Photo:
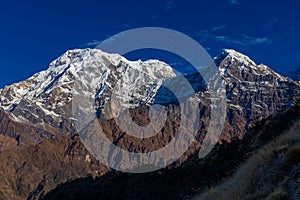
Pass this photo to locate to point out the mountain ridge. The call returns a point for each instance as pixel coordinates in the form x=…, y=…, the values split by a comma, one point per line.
x=37, y=113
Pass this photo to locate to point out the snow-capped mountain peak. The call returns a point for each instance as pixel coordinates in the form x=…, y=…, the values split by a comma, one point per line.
x=50, y=91
x=237, y=55
x=244, y=65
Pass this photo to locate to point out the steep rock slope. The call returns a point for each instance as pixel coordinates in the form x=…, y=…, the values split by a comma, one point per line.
x=253, y=91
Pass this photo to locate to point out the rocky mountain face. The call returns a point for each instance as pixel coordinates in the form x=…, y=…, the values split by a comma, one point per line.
x=39, y=145
x=253, y=91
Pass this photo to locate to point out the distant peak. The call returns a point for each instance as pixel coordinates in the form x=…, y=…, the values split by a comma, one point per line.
x=241, y=62
x=233, y=55
x=229, y=51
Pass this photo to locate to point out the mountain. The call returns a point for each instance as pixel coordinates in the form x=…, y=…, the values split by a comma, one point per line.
x=43, y=100
x=253, y=91
x=40, y=147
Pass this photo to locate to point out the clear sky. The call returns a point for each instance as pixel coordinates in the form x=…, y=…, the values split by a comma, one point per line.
x=33, y=33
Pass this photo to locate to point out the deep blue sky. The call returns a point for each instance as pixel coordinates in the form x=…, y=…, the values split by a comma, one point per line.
x=33, y=33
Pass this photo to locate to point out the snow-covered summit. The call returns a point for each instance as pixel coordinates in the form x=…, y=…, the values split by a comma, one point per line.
x=50, y=91
x=237, y=55
x=151, y=67
x=244, y=65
